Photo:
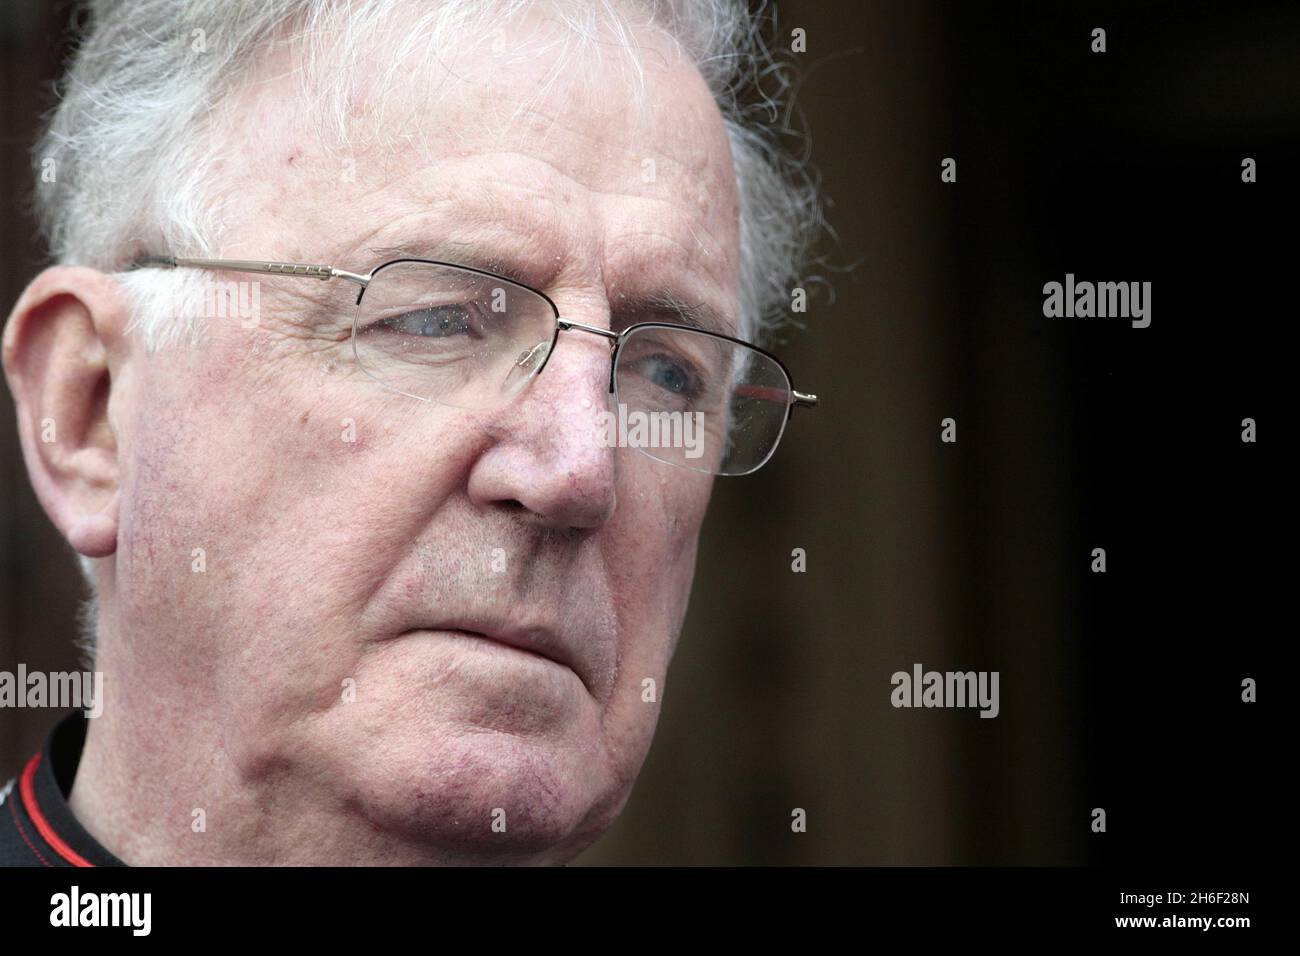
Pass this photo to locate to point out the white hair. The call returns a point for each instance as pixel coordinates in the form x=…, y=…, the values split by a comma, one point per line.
x=135, y=172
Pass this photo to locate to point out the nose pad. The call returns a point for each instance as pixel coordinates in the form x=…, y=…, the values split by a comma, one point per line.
x=525, y=367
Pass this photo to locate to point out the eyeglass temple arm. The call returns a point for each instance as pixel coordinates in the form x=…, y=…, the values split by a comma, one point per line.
x=770, y=394
x=296, y=269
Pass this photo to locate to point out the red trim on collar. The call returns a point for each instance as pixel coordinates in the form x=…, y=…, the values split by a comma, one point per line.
x=42, y=825
x=22, y=832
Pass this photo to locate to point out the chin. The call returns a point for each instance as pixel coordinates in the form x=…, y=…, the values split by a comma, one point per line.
x=489, y=794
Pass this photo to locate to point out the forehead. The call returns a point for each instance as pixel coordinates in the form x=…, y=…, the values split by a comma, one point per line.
x=578, y=168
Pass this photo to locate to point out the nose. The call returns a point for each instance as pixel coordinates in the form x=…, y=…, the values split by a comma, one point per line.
x=547, y=460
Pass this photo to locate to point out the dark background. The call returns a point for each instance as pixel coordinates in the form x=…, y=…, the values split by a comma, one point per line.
x=1118, y=690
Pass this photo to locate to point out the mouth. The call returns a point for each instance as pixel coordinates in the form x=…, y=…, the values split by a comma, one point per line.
x=536, y=641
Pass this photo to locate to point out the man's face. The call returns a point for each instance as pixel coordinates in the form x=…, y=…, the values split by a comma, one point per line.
x=353, y=537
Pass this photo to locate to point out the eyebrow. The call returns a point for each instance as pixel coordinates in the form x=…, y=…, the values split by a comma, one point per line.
x=669, y=308
x=662, y=306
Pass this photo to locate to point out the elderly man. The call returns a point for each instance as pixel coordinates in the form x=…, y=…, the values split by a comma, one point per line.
x=320, y=390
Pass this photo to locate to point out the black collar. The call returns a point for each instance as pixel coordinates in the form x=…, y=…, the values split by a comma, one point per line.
x=37, y=827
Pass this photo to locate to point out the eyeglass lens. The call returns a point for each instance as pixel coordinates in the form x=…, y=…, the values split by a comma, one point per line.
x=470, y=340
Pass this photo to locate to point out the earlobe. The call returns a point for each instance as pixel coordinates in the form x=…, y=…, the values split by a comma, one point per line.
x=95, y=535
x=63, y=358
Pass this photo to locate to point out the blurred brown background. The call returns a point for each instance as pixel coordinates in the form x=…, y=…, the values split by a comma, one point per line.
x=966, y=556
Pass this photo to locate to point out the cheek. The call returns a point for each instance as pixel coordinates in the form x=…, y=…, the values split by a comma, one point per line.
x=662, y=509
x=652, y=563
x=650, y=553
x=277, y=499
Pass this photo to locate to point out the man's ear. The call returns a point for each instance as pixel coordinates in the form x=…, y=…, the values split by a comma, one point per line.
x=64, y=352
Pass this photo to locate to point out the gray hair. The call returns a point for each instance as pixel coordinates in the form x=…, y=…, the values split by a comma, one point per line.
x=134, y=170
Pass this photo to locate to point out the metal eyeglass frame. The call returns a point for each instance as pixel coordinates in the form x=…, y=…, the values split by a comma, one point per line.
x=616, y=339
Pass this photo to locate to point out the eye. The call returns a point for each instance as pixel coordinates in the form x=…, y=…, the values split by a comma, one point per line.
x=671, y=374
x=436, y=322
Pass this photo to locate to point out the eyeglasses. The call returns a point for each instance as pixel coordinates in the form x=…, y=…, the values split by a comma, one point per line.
x=466, y=338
